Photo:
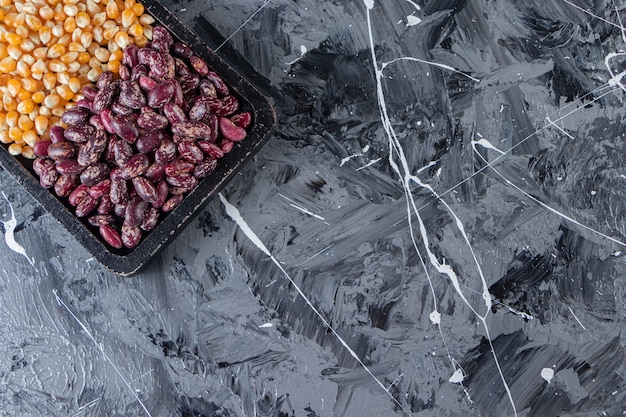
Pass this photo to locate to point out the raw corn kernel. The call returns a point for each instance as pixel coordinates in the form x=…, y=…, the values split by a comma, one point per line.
x=50, y=49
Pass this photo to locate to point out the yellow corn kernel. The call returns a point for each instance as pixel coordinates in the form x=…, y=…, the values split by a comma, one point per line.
x=113, y=66
x=58, y=111
x=3, y=51
x=63, y=78
x=33, y=22
x=135, y=30
x=40, y=53
x=22, y=32
x=73, y=67
x=27, y=45
x=69, y=25
x=98, y=34
x=22, y=69
x=11, y=118
x=110, y=32
x=140, y=41
x=70, y=10
x=27, y=59
x=29, y=84
x=15, y=133
x=57, y=30
x=25, y=106
x=27, y=152
x=52, y=100
x=39, y=67
x=23, y=95
x=69, y=57
x=14, y=87
x=38, y=97
x=93, y=74
x=3, y=121
x=112, y=46
x=65, y=92
x=116, y=55
x=112, y=10
x=128, y=4
x=7, y=65
x=75, y=47
x=14, y=148
x=41, y=124
x=46, y=12
x=128, y=17
x=25, y=123
x=57, y=66
x=83, y=57
x=29, y=8
x=65, y=39
x=9, y=103
x=101, y=54
x=147, y=32
x=86, y=39
x=4, y=136
x=49, y=80
x=99, y=19
x=13, y=38
x=56, y=51
x=45, y=111
x=138, y=9
x=4, y=79
x=92, y=7
x=76, y=35
x=122, y=39
x=82, y=20
x=59, y=14
x=95, y=62
x=146, y=19
x=2, y=14
x=14, y=51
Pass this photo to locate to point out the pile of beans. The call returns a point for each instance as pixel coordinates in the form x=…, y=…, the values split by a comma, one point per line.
x=137, y=144
x=49, y=50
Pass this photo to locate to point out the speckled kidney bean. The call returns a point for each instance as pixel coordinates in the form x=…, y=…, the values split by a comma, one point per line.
x=85, y=104
x=105, y=118
x=125, y=127
x=229, y=106
x=131, y=235
x=96, y=121
x=227, y=146
x=149, y=141
x=135, y=166
x=172, y=202
x=93, y=174
x=86, y=206
x=41, y=147
x=145, y=189
x=178, y=166
x=106, y=78
x=151, y=219
x=210, y=148
x=77, y=115
x=166, y=152
x=199, y=65
x=69, y=167
x=174, y=113
x=91, y=151
x=78, y=194
x=120, y=210
x=163, y=191
x=187, y=181
x=243, y=119
x=57, y=134
x=181, y=50
x=132, y=97
x=101, y=188
x=120, y=109
x=65, y=184
x=191, y=128
x=207, y=88
x=204, y=168
x=190, y=152
x=200, y=109
x=121, y=151
x=104, y=97
x=129, y=56
x=150, y=120
x=79, y=133
x=137, y=71
x=62, y=150
x=124, y=72
x=135, y=211
x=155, y=172
x=89, y=92
x=218, y=82
x=160, y=94
x=106, y=205
x=111, y=236
x=48, y=176
x=119, y=191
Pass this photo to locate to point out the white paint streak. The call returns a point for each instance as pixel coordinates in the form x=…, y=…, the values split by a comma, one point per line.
x=303, y=51
x=9, y=234
x=302, y=209
x=368, y=164
x=234, y=214
x=576, y=318
x=101, y=348
x=412, y=20
x=457, y=377
x=559, y=128
x=486, y=144
x=266, y=325
x=243, y=24
x=349, y=157
x=436, y=64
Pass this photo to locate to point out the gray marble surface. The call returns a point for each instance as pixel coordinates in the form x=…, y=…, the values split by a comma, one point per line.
x=435, y=228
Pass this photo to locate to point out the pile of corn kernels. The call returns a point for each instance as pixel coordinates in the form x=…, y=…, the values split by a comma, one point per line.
x=49, y=50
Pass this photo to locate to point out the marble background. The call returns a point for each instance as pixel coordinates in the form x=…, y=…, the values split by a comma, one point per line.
x=436, y=228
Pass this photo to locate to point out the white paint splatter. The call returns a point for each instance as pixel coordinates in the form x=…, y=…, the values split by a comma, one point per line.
x=303, y=51
x=266, y=325
x=457, y=377
x=234, y=214
x=9, y=234
x=547, y=374
x=412, y=20
x=435, y=317
x=302, y=209
x=369, y=4
x=486, y=144
x=370, y=163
